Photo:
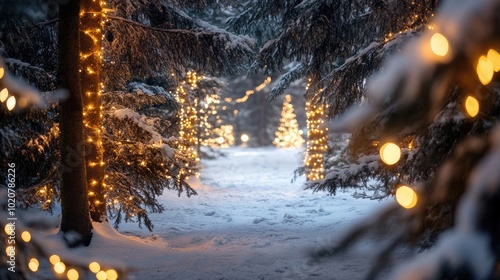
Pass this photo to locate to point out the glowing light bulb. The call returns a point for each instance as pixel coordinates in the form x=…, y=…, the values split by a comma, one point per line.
x=244, y=138
x=439, y=44
x=406, y=197
x=471, y=106
x=101, y=275
x=59, y=267
x=54, y=259
x=4, y=93
x=390, y=153
x=94, y=267
x=2, y=72
x=72, y=274
x=26, y=236
x=9, y=228
x=8, y=249
x=494, y=56
x=11, y=103
x=485, y=70
x=111, y=274
x=33, y=264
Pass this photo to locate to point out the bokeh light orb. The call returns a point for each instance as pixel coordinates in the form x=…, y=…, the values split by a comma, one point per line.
x=439, y=44
x=390, y=153
x=406, y=197
x=471, y=106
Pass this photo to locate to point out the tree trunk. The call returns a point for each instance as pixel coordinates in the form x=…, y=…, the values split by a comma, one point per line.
x=74, y=196
x=91, y=60
x=264, y=106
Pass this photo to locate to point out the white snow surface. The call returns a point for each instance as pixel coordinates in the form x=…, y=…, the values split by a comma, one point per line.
x=248, y=221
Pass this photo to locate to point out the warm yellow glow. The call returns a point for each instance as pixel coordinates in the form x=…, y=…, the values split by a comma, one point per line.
x=54, y=259
x=471, y=106
x=101, y=275
x=94, y=267
x=188, y=123
x=244, y=138
x=494, y=56
x=11, y=103
x=439, y=44
x=485, y=70
x=390, y=153
x=72, y=274
x=33, y=264
x=317, y=135
x=26, y=236
x=111, y=274
x=220, y=140
x=4, y=93
x=8, y=228
x=406, y=197
x=2, y=72
x=59, y=267
x=287, y=135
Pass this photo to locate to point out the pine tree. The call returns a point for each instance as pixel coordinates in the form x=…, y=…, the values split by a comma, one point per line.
x=137, y=136
x=437, y=103
x=287, y=135
x=214, y=131
x=153, y=165
x=416, y=103
x=252, y=114
x=74, y=195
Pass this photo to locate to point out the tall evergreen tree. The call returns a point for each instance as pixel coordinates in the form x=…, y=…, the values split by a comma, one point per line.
x=152, y=115
x=439, y=103
x=74, y=195
x=418, y=102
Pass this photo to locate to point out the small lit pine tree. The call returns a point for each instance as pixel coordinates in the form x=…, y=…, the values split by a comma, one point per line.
x=212, y=131
x=316, y=141
x=287, y=135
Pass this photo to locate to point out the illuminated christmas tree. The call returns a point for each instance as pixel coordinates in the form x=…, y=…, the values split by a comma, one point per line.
x=213, y=133
x=287, y=135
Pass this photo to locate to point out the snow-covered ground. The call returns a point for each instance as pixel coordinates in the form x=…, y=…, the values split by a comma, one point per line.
x=248, y=221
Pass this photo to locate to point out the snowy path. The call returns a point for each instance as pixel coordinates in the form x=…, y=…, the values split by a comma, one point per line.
x=248, y=221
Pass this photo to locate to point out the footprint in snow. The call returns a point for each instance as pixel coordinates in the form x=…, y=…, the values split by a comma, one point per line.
x=211, y=213
x=258, y=220
x=289, y=218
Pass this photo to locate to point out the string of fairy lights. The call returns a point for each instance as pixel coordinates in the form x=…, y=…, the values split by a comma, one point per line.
x=91, y=61
x=188, y=117
x=58, y=266
x=92, y=20
x=218, y=135
x=317, y=135
x=214, y=135
x=486, y=66
x=5, y=97
x=248, y=93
